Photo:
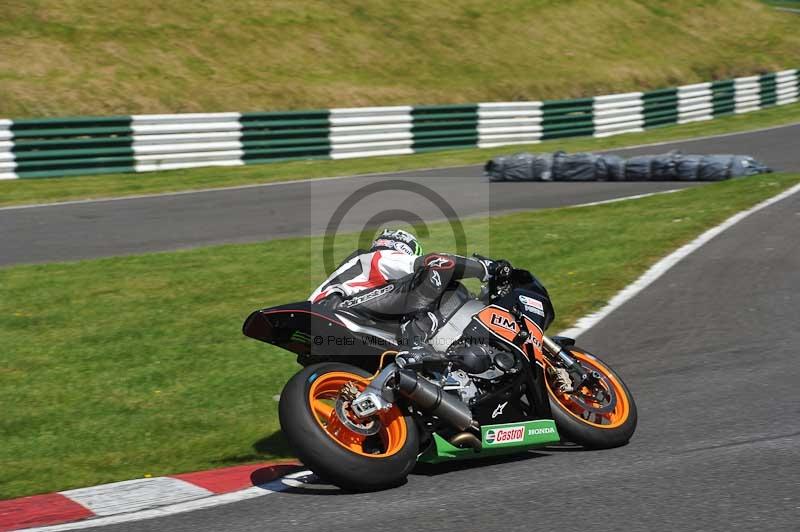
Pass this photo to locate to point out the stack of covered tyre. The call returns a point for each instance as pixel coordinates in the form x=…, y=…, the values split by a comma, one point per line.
x=672, y=166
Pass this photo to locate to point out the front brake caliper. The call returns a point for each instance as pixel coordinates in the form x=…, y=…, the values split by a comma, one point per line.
x=562, y=379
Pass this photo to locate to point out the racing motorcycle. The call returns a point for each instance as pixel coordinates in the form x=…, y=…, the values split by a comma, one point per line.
x=359, y=420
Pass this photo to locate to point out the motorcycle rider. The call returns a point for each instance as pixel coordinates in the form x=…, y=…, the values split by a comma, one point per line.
x=395, y=281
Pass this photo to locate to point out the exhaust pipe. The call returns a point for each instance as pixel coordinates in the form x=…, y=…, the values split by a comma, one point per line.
x=432, y=399
x=466, y=439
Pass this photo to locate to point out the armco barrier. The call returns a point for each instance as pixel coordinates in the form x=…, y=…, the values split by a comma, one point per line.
x=143, y=143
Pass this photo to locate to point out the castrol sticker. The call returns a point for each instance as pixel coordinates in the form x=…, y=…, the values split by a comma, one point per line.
x=520, y=434
x=505, y=435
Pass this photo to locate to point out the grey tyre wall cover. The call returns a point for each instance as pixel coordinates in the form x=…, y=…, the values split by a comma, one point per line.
x=672, y=166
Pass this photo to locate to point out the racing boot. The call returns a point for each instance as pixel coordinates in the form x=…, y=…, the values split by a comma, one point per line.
x=418, y=356
x=415, y=333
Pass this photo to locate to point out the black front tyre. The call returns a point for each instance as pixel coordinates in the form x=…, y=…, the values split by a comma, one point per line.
x=335, y=450
x=600, y=416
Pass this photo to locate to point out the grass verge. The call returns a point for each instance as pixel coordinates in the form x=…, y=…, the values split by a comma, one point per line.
x=73, y=188
x=121, y=367
x=792, y=4
x=76, y=57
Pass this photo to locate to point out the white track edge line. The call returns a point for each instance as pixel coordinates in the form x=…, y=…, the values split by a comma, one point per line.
x=506, y=212
x=624, y=198
x=373, y=174
x=694, y=139
x=665, y=264
x=171, y=509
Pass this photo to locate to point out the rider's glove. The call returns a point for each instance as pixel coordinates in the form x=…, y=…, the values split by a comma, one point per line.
x=500, y=270
x=495, y=269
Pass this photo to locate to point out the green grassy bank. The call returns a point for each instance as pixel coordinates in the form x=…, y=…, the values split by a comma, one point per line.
x=79, y=57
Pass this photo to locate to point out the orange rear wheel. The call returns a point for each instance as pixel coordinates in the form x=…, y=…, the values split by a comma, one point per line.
x=355, y=454
x=379, y=437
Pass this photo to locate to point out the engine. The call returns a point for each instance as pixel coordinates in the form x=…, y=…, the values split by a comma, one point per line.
x=478, y=369
x=460, y=382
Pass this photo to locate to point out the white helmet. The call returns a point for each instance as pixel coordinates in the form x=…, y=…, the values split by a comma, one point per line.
x=398, y=240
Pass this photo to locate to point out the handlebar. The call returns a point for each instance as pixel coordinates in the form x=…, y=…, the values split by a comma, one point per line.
x=499, y=279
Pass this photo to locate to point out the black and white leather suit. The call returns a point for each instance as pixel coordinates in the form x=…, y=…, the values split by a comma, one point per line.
x=391, y=285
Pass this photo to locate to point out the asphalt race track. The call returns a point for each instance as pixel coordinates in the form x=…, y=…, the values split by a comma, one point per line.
x=710, y=353
x=176, y=221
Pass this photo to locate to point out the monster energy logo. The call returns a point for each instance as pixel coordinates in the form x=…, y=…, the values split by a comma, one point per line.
x=301, y=337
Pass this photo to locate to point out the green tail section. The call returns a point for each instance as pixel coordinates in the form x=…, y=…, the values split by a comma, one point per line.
x=496, y=439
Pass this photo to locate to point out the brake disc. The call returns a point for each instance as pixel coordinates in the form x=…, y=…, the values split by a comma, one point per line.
x=368, y=428
x=606, y=398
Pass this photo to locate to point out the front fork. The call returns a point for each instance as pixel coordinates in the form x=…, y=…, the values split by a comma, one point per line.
x=579, y=374
x=556, y=351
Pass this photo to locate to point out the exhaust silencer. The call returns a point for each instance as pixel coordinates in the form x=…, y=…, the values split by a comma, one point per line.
x=432, y=399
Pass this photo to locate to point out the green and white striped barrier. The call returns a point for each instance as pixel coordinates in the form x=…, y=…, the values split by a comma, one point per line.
x=144, y=143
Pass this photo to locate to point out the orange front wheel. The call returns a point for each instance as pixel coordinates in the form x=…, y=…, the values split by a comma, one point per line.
x=353, y=453
x=599, y=413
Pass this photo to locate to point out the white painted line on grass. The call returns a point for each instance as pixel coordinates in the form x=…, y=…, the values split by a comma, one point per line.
x=662, y=266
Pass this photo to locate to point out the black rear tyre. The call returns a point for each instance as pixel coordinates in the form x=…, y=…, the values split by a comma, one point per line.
x=381, y=461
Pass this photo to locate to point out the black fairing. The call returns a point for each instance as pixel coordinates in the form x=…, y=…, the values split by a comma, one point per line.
x=527, y=285
x=512, y=299
x=315, y=334
x=504, y=404
x=296, y=326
